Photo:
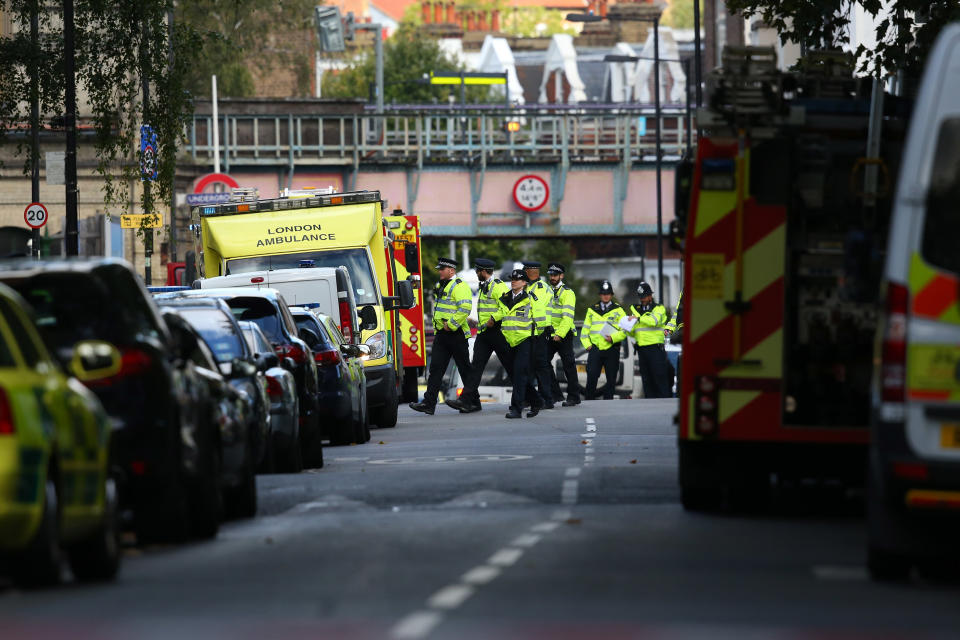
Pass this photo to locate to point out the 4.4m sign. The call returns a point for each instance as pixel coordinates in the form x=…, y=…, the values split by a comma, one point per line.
x=531, y=193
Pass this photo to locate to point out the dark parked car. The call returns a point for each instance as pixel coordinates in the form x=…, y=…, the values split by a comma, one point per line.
x=268, y=309
x=343, y=384
x=284, y=407
x=236, y=406
x=151, y=399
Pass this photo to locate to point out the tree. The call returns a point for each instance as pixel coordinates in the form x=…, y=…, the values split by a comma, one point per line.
x=408, y=58
x=679, y=14
x=246, y=35
x=903, y=40
x=535, y=22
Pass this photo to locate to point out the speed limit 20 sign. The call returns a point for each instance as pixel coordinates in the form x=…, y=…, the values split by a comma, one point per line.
x=35, y=215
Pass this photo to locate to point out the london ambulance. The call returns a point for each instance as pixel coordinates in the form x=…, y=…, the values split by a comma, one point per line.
x=251, y=234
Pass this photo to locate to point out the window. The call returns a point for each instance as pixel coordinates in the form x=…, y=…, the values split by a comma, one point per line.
x=357, y=262
x=261, y=312
x=309, y=322
x=941, y=227
x=217, y=331
x=6, y=358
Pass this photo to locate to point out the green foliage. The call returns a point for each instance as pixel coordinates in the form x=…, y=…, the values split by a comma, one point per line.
x=534, y=22
x=903, y=44
x=407, y=57
x=679, y=14
x=243, y=34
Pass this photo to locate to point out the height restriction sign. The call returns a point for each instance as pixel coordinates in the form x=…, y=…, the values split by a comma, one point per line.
x=531, y=193
x=35, y=215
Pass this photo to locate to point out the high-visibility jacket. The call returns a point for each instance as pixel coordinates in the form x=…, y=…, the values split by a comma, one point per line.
x=490, y=292
x=560, y=307
x=650, y=325
x=453, y=303
x=515, y=316
x=676, y=322
x=540, y=294
x=592, y=332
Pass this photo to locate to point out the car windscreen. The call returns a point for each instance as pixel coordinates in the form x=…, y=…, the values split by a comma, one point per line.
x=217, y=331
x=255, y=339
x=356, y=261
x=309, y=322
x=262, y=313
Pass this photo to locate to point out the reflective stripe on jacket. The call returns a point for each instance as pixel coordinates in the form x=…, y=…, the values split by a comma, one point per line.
x=592, y=332
x=540, y=294
x=515, y=316
x=650, y=325
x=453, y=304
x=560, y=308
x=489, y=298
x=675, y=320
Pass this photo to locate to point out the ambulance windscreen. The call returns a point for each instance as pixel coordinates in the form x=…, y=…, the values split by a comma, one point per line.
x=356, y=261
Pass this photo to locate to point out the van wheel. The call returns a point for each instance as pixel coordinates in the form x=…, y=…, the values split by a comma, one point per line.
x=888, y=567
x=410, y=392
x=386, y=416
x=42, y=563
x=98, y=557
x=700, y=498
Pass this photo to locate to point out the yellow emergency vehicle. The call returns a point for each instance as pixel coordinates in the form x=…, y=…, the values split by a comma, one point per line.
x=322, y=230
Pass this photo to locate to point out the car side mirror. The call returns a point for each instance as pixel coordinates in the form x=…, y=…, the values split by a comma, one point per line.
x=288, y=364
x=368, y=318
x=268, y=360
x=241, y=368
x=349, y=350
x=94, y=360
x=363, y=349
x=309, y=336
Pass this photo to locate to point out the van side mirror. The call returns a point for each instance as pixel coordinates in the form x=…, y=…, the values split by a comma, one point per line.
x=368, y=318
x=405, y=292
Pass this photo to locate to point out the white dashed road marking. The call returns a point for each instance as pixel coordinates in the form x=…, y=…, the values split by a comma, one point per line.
x=545, y=527
x=573, y=472
x=416, y=625
x=506, y=557
x=481, y=575
x=450, y=597
x=526, y=540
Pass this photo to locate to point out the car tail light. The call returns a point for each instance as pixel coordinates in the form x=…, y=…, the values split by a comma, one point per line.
x=707, y=401
x=293, y=351
x=346, y=321
x=133, y=362
x=6, y=415
x=894, y=350
x=326, y=358
x=139, y=467
x=911, y=470
x=274, y=388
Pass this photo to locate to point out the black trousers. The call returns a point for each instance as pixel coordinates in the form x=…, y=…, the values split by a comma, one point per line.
x=565, y=349
x=487, y=342
x=609, y=360
x=652, y=362
x=541, y=367
x=446, y=345
x=522, y=357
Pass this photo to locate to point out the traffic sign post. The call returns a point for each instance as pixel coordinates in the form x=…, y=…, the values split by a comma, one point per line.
x=35, y=215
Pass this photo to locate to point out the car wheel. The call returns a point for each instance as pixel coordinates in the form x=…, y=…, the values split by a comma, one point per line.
x=98, y=558
x=888, y=567
x=167, y=520
x=241, y=501
x=206, y=502
x=292, y=460
x=313, y=453
x=269, y=462
x=41, y=564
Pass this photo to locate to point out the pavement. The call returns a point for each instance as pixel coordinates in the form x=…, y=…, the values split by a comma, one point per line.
x=567, y=525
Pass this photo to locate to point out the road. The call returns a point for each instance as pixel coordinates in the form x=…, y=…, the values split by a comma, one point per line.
x=563, y=526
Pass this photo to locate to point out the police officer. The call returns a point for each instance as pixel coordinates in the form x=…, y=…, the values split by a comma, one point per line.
x=539, y=295
x=453, y=301
x=560, y=307
x=601, y=336
x=489, y=339
x=648, y=333
x=515, y=313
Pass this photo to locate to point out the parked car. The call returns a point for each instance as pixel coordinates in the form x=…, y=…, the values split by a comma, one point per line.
x=343, y=384
x=54, y=439
x=228, y=406
x=268, y=309
x=284, y=406
x=147, y=398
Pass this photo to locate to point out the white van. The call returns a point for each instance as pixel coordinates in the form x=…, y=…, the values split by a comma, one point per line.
x=913, y=491
x=326, y=289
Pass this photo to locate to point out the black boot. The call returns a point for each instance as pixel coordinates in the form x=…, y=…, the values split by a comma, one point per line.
x=454, y=403
x=423, y=407
x=533, y=411
x=513, y=414
x=471, y=408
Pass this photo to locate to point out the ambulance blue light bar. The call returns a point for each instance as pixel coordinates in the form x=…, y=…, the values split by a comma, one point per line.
x=284, y=204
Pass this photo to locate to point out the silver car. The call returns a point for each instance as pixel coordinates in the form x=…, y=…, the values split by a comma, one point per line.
x=284, y=406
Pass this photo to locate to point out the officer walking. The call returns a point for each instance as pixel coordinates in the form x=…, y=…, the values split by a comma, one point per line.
x=648, y=333
x=515, y=313
x=453, y=301
x=489, y=338
x=539, y=295
x=560, y=308
x=600, y=336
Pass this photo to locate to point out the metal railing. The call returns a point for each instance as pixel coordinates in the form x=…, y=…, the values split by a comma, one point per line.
x=436, y=135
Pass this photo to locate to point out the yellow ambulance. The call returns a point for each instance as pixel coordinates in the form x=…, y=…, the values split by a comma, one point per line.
x=308, y=228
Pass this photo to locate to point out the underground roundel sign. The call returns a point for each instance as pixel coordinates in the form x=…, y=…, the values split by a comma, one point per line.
x=531, y=193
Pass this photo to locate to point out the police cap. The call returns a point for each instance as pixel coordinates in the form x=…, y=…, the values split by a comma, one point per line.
x=483, y=263
x=644, y=290
x=606, y=287
x=556, y=267
x=446, y=262
x=531, y=264
x=518, y=274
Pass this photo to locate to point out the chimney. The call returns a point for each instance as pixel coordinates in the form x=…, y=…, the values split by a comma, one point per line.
x=495, y=21
x=603, y=8
x=451, y=13
x=471, y=21
x=425, y=11
x=438, y=12
x=482, y=20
